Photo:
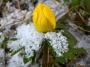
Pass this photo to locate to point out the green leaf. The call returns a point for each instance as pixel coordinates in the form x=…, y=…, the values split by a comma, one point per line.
x=81, y=52
x=13, y=39
x=26, y=59
x=87, y=5
x=14, y=52
x=60, y=60
x=4, y=43
x=34, y=58
x=72, y=54
x=75, y=3
x=71, y=39
x=86, y=27
x=5, y=1
x=59, y=25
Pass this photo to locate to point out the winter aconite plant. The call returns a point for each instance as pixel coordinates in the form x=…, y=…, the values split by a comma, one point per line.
x=31, y=36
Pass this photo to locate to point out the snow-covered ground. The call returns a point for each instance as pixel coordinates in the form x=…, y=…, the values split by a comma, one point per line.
x=27, y=36
x=83, y=41
x=30, y=39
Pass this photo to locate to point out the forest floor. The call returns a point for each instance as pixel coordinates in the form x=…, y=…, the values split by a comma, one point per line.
x=82, y=41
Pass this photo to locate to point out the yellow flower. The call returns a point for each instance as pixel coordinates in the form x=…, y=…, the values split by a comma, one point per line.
x=43, y=18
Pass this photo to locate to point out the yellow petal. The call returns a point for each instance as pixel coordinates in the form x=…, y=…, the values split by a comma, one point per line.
x=44, y=18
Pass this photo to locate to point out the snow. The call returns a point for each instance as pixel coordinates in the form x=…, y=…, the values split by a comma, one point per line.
x=2, y=53
x=59, y=8
x=10, y=6
x=16, y=61
x=14, y=17
x=58, y=42
x=1, y=37
x=28, y=37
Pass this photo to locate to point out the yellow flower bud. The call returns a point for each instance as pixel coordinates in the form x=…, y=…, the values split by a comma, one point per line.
x=44, y=18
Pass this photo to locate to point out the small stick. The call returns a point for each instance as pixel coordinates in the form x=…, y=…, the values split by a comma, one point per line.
x=80, y=16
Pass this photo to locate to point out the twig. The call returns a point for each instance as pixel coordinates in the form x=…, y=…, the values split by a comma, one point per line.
x=80, y=16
